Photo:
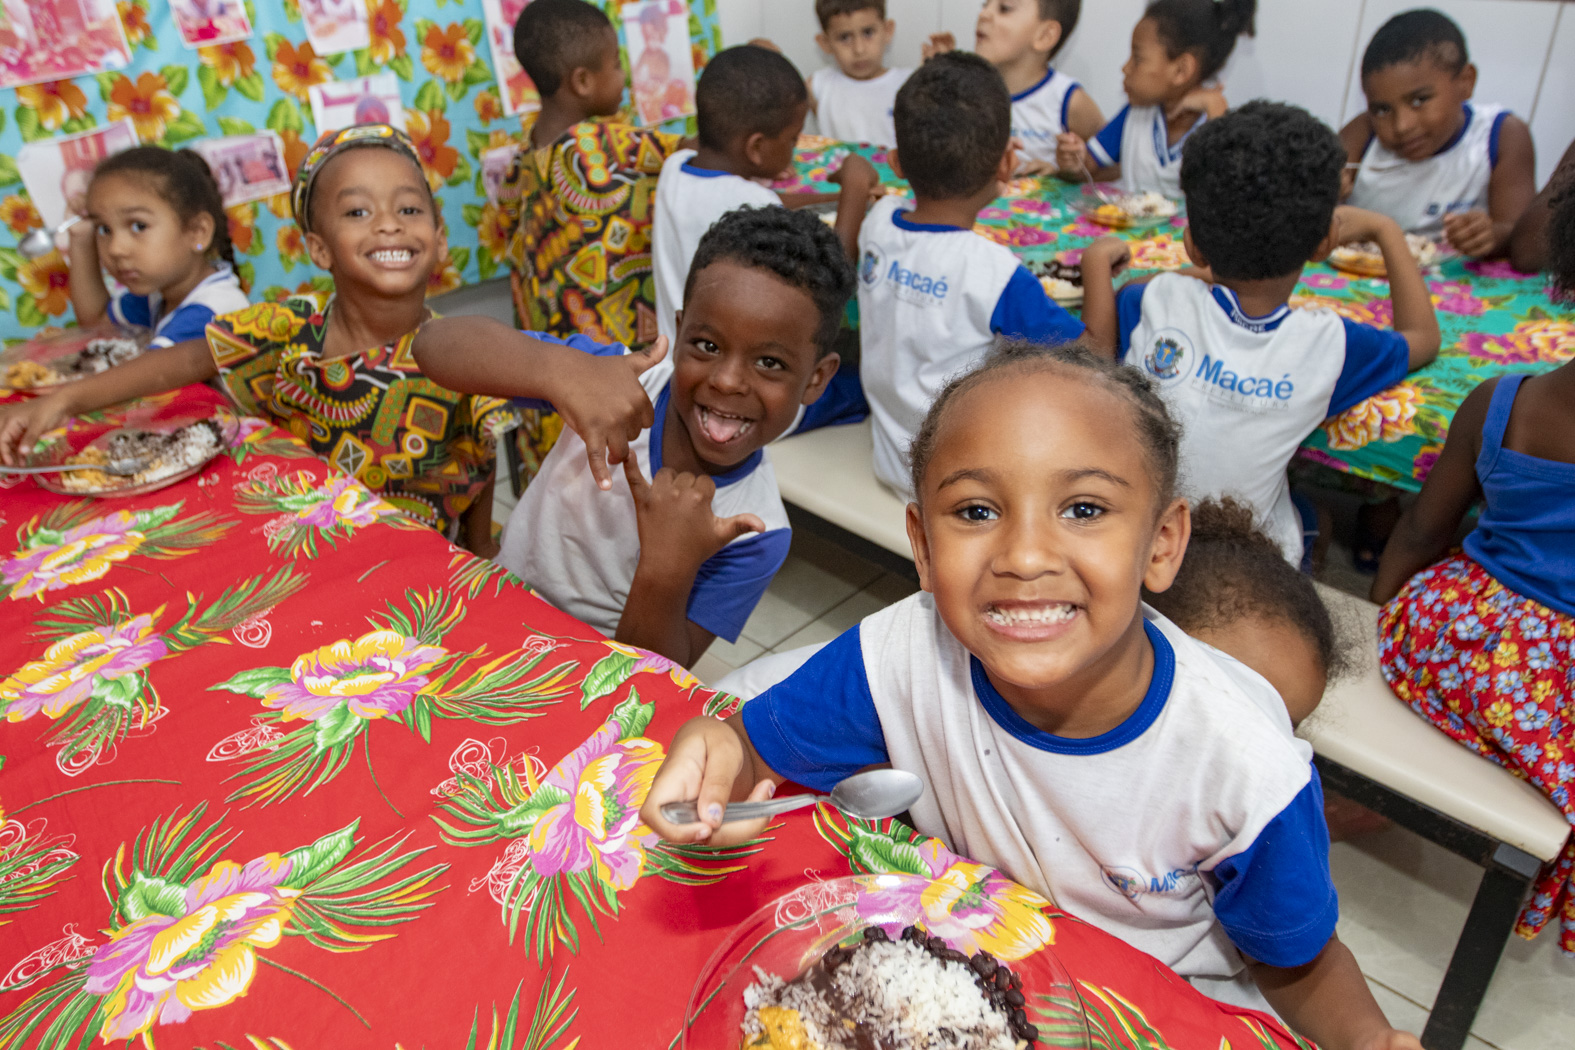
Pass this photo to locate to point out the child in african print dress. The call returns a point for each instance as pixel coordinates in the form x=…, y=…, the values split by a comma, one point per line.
x=338, y=374
x=1481, y=642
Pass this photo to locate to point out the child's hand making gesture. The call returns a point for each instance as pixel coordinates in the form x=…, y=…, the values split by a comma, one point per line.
x=1472, y=233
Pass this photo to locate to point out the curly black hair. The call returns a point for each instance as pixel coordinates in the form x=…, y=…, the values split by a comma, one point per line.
x=1233, y=571
x=1206, y=28
x=744, y=90
x=954, y=119
x=1561, y=244
x=826, y=10
x=553, y=38
x=794, y=245
x=1161, y=434
x=1412, y=36
x=1261, y=184
x=183, y=180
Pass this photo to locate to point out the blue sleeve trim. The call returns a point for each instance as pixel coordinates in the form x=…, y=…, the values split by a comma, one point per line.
x=729, y=585
x=1106, y=146
x=1066, y=103
x=1129, y=311
x=188, y=322
x=1024, y=311
x=1498, y=124
x=579, y=342
x=1375, y=360
x=1276, y=899
x=820, y=725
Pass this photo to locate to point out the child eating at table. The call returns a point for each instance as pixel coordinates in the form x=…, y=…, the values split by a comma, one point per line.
x=852, y=99
x=1423, y=153
x=337, y=374
x=750, y=106
x=1065, y=734
x=1477, y=639
x=933, y=295
x=679, y=549
x=1021, y=38
x=1177, y=48
x=1248, y=377
x=154, y=219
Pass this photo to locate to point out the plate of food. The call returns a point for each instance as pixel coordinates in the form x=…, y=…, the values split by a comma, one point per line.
x=842, y=965
x=1364, y=259
x=68, y=356
x=147, y=455
x=1122, y=211
x=1062, y=281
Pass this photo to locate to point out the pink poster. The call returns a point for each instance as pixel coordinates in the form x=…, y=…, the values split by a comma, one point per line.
x=59, y=39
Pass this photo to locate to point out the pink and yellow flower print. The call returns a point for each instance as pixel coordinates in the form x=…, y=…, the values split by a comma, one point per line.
x=375, y=676
x=51, y=562
x=159, y=969
x=1382, y=417
x=1539, y=340
x=341, y=501
x=105, y=661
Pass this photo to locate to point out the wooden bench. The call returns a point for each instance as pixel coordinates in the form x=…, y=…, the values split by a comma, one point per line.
x=1367, y=744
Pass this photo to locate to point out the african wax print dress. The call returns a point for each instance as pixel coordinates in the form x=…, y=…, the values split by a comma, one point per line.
x=426, y=450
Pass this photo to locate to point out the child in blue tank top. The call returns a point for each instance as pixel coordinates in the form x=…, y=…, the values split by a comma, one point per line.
x=1479, y=640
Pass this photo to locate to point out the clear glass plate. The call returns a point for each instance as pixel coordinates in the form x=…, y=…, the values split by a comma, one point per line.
x=99, y=437
x=42, y=363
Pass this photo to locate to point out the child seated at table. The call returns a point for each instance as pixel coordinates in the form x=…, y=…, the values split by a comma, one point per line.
x=1478, y=639
x=852, y=99
x=1065, y=734
x=338, y=374
x=154, y=220
x=933, y=295
x=1021, y=38
x=679, y=549
x=1178, y=46
x=750, y=105
x=1248, y=377
x=1423, y=153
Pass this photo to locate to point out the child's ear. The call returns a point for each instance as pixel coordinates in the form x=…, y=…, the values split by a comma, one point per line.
x=1171, y=534
x=896, y=165
x=203, y=231
x=1008, y=166
x=1185, y=71
x=755, y=148
x=820, y=378
x=317, y=248
x=921, y=546
x=580, y=81
x=823, y=42
x=1330, y=242
x=1047, y=36
x=1467, y=79
x=1194, y=253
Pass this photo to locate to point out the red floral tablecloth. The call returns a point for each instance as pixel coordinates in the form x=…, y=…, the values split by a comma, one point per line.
x=284, y=771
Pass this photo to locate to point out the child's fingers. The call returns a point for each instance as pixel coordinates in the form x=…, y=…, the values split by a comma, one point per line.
x=650, y=356
x=631, y=470
x=596, y=451
x=740, y=525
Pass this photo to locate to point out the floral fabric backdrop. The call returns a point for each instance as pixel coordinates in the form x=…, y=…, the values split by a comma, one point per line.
x=176, y=95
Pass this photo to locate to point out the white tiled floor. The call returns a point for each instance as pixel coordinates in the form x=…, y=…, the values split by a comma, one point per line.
x=1403, y=899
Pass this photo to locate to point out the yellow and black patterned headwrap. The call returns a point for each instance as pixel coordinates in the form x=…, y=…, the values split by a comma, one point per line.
x=333, y=143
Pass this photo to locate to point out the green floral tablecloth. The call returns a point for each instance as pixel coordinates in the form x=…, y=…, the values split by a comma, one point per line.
x=1494, y=319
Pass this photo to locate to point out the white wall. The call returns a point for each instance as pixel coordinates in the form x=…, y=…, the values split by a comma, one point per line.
x=1305, y=52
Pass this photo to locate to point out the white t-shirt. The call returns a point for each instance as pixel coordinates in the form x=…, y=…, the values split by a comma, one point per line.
x=217, y=294
x=857, y=110
x=931, y=301
x=1138, y=140
x=688, y=201
x=1193, y=831
x=1248, y=390
x=1417, y=194
x=578, y=546
x=1039, y=114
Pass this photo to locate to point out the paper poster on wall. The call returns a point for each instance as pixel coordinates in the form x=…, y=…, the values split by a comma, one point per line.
x=247, y=167
x=519, y=94
x=495, y=164
x=59, y=39
x=333, y=26
x=56, y=171
x=206, y=22
x=364, y=100
x=661, y=61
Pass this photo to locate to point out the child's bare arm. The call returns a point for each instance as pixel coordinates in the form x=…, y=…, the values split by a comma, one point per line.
x=1101, y=261
x=157, y=371
x=858, y=178
x=714, y=763
x=1528, y=244
x=1328, y=1001
x=89, y=297
x=1083, y=118
x=600, y=398
x=1485, y=233
x=1413, y=304
x=1428, y=526
x=1354, y=137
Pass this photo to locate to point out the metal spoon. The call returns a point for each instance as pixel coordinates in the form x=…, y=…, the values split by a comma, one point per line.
x=123, y=468
x=41, y=241
x=873, y=795
x=1083, y=160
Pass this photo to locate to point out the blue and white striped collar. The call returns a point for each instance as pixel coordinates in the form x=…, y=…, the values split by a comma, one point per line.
x=1167, y=153
x=1239, y=317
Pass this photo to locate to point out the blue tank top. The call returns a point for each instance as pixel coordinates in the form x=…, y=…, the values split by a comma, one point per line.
x=1526, y=535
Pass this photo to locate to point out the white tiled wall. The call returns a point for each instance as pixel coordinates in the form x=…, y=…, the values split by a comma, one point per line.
x=1305, y=52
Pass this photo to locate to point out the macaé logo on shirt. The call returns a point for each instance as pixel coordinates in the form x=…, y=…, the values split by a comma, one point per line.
x=1133, y=884
x=1170, y=356
x=915, y=287
x=871, y=265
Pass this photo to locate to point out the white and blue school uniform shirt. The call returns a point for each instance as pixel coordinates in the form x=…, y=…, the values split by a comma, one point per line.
x=217, y=294
x=578, y=546
x=1417, y=194
x=1193, y=830
x=1248, y=390
x=688, y=200
x=1138, y=140
x=1039, y=114
x=931, y=301
x=857, y=110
